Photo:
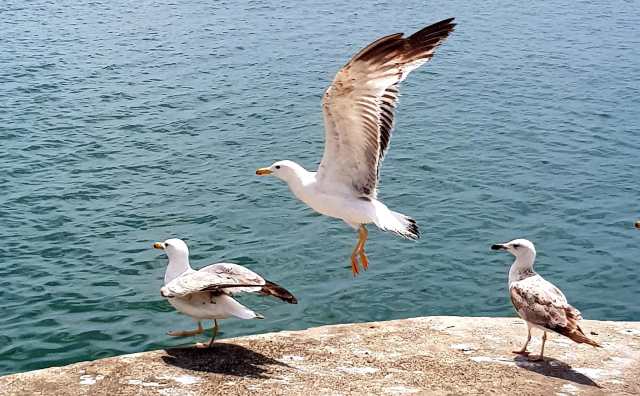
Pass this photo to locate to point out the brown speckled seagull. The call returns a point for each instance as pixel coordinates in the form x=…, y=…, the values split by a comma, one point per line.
x=541, y=304
x=359, y=108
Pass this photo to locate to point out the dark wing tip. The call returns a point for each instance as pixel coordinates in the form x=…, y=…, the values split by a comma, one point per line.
x=378, y=46
x=272, y=289
x=437, y=30
x=431, y=35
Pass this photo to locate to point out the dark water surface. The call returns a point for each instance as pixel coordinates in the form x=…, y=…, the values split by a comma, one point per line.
x=123, y=123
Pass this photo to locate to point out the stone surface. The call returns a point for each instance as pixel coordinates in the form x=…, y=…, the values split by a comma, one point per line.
x=431, y=355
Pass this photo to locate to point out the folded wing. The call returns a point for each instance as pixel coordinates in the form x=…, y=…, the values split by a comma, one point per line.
x=541, y=303
x=223, y=277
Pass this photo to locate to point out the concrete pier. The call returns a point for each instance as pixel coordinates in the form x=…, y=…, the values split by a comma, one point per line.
x=429, y=355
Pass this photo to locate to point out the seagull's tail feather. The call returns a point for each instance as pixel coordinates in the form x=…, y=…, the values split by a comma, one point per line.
x=234, y=308
x=573, y=330
x=578, y=336
x=409, y=228
x=395, y=222
x=272, y=289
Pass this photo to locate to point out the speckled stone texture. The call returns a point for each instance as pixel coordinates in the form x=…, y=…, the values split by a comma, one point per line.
x=430, y=355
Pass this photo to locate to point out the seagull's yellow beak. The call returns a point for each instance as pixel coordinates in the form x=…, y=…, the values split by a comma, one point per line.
x=158, y=245
x=263, y=172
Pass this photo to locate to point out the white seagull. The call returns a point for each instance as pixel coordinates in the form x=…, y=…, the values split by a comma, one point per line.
x=206, y=294
x=538, y=302
x=359, y=109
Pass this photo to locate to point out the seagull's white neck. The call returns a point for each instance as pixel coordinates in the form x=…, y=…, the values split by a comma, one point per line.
x=178, y=264
x=522, y=268
x=299, y=180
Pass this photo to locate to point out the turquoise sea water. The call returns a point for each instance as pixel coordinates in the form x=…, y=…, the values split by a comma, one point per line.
x=123, y=123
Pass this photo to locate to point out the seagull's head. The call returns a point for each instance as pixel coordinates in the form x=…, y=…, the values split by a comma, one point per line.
x=174, y=248
x=285, y=170
x=517, y=247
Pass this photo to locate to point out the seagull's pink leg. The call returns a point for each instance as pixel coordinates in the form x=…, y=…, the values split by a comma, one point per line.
x=541, y=357
x=523, y=351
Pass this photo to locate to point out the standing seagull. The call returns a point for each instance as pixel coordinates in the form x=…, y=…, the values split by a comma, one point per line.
x=359, y=109
x=538, y=302
x=206, y=294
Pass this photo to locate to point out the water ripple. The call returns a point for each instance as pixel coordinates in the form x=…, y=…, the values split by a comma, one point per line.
x=118, y=130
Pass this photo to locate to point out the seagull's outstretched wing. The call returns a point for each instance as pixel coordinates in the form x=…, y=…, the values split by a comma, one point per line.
x=360, y=103
x=541, y=303
x=223, y=277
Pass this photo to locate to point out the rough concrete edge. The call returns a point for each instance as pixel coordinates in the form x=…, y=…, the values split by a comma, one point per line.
x=314, y=329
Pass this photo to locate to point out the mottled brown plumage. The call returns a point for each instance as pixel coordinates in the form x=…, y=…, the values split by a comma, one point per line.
x=544, y=305
x=541, y=304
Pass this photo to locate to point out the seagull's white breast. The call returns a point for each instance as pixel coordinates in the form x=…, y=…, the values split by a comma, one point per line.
x=352, y=210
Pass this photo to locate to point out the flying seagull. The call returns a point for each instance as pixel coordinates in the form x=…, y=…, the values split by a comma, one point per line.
x=207, y=293
x=538, y=302
x=359, y=108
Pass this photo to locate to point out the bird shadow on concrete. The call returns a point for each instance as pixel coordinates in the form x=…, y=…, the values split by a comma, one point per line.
x=222, y=358
x=555, y=368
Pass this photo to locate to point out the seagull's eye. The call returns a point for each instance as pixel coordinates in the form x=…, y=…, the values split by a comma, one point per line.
x=516, y=245
x=277, y=166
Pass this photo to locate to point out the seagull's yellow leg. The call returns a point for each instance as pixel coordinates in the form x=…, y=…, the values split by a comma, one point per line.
x=359, y=250
x=523, y=351
x=215, y=332
x=187, y=333
x=210, y=343
x=363, y=234
x=354, y=262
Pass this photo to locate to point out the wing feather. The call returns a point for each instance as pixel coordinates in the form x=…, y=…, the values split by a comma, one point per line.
x=543, y=304
x=359, y=107
x=223, y=277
